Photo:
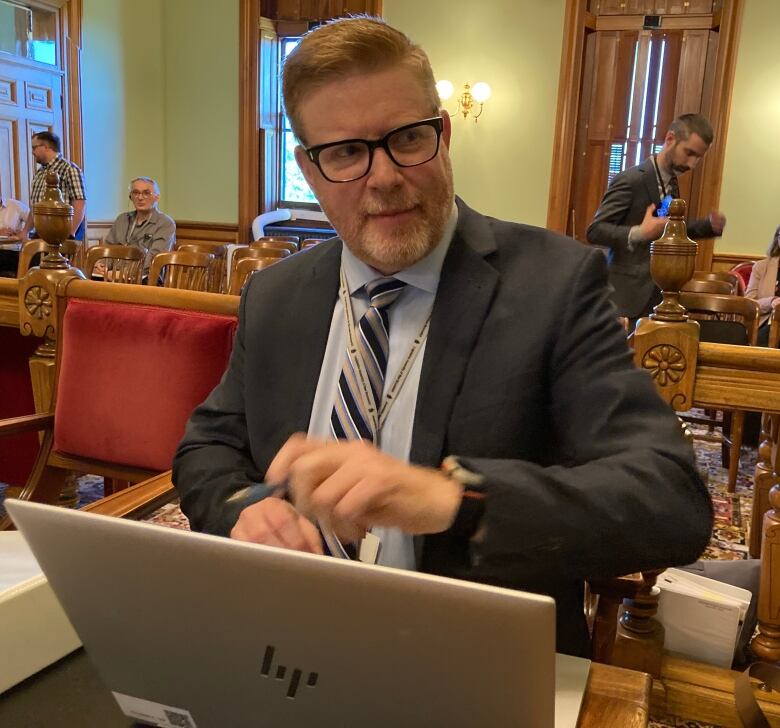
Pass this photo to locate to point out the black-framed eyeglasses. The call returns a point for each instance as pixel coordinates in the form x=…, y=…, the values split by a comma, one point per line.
x=350, y=159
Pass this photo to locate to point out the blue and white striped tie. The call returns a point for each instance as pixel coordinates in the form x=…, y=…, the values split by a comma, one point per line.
x=349, y=420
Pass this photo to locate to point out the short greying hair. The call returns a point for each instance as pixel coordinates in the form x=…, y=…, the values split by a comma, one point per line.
x=148, y=180
x=687, y=124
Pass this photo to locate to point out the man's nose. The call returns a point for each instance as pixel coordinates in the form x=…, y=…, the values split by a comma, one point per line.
x=384, y=171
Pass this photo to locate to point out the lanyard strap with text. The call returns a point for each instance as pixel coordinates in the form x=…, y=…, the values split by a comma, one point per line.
x=377, y=414
x=661, y=183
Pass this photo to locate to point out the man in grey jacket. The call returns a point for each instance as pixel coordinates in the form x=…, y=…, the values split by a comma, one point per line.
x=145, y=227
x=628, y=218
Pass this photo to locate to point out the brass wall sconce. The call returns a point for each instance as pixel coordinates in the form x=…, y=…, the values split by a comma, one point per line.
x=470, y=101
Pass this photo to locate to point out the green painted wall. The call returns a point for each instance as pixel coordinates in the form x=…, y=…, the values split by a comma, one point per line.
x=123, y=101
x=750, y=194
x=501, y=163
x=201, y=119
x=161, y=100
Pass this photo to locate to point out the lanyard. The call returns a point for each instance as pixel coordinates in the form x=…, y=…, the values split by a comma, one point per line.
x=376, y=414
x=659, y=178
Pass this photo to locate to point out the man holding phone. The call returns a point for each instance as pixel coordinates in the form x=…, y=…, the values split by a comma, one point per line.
x=633, y=210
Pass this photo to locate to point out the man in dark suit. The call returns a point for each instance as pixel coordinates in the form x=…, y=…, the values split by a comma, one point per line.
x=500, y=434
x=633, y=213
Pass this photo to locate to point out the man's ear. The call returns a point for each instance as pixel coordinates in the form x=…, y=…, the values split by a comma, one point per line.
x=446, y=131
x=308, y=167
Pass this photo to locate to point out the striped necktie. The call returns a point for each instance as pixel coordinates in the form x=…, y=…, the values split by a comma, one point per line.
x=349, y=419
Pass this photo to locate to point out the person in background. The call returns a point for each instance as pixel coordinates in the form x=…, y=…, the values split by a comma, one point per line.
x=764, y=286
x=633, y=213
x=46, y=150
x=420, y=391
x=145, y=227
x=13, y=216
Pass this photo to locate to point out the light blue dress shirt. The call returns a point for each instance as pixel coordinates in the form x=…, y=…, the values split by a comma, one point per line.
x=407, y=316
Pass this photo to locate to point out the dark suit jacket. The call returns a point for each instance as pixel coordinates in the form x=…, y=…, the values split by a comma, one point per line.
x=623, y=206
x=526, y=375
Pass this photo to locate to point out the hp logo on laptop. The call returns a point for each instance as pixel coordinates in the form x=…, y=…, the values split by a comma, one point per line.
x=281, y=671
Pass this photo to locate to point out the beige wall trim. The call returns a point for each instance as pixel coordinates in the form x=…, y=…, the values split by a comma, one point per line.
x=248, y=122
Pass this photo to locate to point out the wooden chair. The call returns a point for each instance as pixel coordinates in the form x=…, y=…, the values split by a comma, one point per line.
x=243, y=253
x=278, y=239
x=217, y=271
x=275, y=243
x=123, y=263
x=31, y=248
x=725, y=319
x=132, y=362
x=245, y=268
x=737, y=287
x=696, y=285
x=185, y=269
x=309, y=243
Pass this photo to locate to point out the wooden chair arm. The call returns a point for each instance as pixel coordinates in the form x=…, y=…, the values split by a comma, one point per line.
x=26, y=423
x=620, y=587
x=138, y=500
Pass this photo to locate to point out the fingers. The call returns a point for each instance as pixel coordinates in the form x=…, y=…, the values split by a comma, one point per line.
x=297, y=445
x=274, y=522
x=649, y=211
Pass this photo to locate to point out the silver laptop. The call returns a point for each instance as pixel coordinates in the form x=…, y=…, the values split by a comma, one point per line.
x=190, y=630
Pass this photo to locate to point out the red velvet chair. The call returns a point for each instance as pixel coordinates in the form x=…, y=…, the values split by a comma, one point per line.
x=743, y=270
x=132, y=363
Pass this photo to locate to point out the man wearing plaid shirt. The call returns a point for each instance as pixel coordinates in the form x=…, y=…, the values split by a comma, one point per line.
x=46, y=150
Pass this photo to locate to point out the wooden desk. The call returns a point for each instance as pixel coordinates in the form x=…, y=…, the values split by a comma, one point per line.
x=615, y=697
x=69, y=694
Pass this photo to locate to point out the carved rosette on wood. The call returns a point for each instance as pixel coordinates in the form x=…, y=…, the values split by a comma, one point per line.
x=666, y=344
x=38, y=289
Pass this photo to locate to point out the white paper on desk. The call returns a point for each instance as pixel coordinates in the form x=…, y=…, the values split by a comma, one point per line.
x=702, y=586
x=18, y=561
x=702, y=626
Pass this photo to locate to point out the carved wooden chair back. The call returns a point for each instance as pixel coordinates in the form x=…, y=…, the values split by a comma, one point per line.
x=217, y=271
x=291, y=245
x=240, y=254
x=31, y=248
x=743, y=270
x=724, y=319
x=185, y=269
x=244, y=268
x=696, y=285
x=123, y=263
x=309, y=243
x=737, y=286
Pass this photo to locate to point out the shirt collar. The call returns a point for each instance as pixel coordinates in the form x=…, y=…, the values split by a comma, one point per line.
x=46, y=166
x=424, y=274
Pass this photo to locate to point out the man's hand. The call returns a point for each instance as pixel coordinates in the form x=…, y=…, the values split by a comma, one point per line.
x=274, y=522
x=718, y=222
x=651, y=228
x=352, y=486
x=7, y=232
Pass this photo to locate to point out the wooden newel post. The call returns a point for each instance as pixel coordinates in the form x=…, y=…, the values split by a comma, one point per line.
x=666, y=346
x=38, y=303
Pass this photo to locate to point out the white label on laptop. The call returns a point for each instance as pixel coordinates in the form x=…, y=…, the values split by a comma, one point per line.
x=369, y=548
x=158, y=714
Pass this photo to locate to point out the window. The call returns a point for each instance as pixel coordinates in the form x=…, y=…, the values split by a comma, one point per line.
x=293, y=189
x=28, y=32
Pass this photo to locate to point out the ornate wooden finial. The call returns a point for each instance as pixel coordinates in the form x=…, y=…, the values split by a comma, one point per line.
x=672, y=262
x=53, y=219
x=38, y=303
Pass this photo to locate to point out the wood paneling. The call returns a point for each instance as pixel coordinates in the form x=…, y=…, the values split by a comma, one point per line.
x=314, y=10
x=187, y=231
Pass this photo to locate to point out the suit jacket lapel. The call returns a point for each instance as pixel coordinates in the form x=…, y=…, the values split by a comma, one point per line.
x=464, y=295
x=651, y=181
x=301, y=341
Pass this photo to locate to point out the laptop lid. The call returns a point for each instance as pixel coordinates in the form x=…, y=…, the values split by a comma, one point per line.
x=225, y=633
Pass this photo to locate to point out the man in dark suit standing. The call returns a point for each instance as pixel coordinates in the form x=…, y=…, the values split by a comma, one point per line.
x=633, y=213
x=454, y=386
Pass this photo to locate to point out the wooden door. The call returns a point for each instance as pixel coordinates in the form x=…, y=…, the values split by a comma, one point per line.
x=30, y=101
x=634, y=84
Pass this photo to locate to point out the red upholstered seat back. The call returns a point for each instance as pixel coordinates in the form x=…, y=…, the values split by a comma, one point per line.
x=743, y=270
x=130, y=376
